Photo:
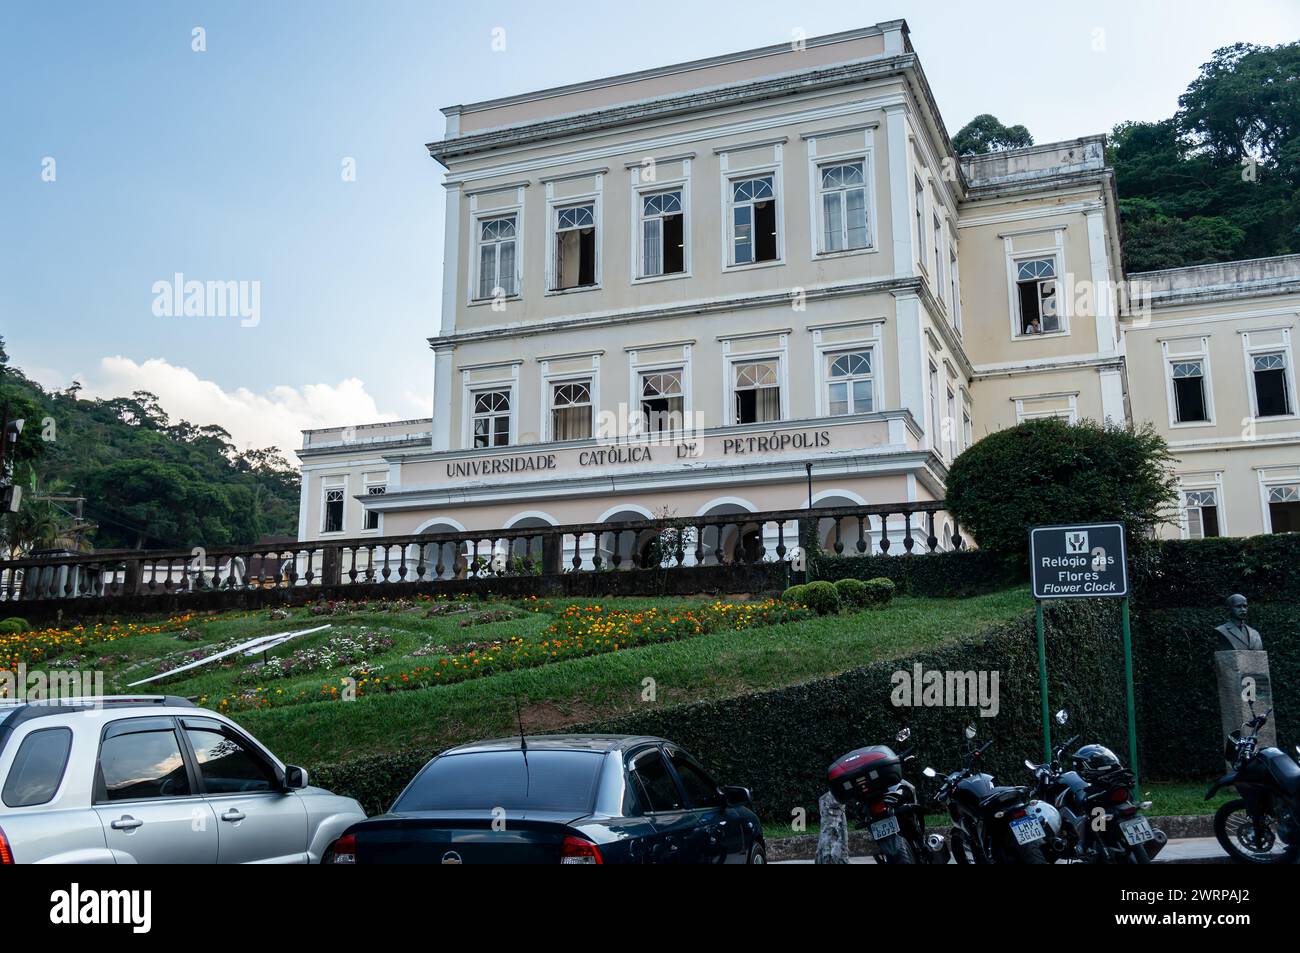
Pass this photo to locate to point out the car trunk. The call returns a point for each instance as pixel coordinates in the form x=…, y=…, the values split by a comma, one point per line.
x=462, y=837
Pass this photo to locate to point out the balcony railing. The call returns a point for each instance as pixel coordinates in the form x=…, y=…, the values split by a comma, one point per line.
x=713, y=548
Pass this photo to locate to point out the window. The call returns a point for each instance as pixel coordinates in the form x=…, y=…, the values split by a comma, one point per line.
x=561, y=781
x=936, y=411
x=849, y=384
x=372, y=516
x=662, y=400
x=663, y=236
x=844, y=206
x=1272, y=393
x=1036, y=296
x=1284, y=508
x=575, y=246
x=758, y=392
x=332, y=518
x=919, y=191
x=701, y=790
x=38, y=767
x=937, y=244
x=657, y=788
x=1189, y=391
x=571, y=410
x=142, y=764
x=496, y=257
x=491, y=418
x=954, y=300
x=753, y=220
x=1202, y=508
x=226, y=765
x=967, y=430
x=952, y=424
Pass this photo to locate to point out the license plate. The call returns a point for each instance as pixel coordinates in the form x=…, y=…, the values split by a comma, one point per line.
x=1027, y=830
x=1137, y=831
x=886, y=828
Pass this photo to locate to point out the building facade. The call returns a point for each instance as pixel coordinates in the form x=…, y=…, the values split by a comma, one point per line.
x=742, y=283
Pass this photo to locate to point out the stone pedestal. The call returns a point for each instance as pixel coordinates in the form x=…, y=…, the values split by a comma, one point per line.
x=833, y=837
x=1241, y=675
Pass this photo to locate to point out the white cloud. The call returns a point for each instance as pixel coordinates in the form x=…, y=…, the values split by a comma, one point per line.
x=271, y=419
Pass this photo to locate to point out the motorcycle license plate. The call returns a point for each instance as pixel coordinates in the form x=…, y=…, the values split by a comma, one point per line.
x=1137, y=831
x=886, y=828
x=1027, y=830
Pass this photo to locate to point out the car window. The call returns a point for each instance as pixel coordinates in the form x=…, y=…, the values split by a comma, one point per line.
x=226, y=764
x=657, y=784
x=700, y=788
x=143, y=764
x=563, y=781
x=38, y=767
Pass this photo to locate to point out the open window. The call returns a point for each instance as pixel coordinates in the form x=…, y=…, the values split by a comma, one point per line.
x=757, y=388
x=1202, y=508
x=753, y=220
x=571, y=410
x=1036, y=301
x=1284, y=508
x=1190, y=405
x=332, y=508
x=663, y=234
x=663, y=403
x=575, y=246
x=376, y=486
x=1272, y=388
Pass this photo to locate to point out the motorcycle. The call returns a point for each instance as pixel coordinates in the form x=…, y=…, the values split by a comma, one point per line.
x=869, y=783
x=991, y=823
x=1263, y=825
x=1088, y=811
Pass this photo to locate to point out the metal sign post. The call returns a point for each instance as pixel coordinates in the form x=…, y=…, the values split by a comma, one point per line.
x=1082, y=561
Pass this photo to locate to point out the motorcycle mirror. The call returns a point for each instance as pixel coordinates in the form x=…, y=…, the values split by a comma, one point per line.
x=1062, y=716
x=930, y=773
x=970, y=732
x=904, y=734
x=1030, y=765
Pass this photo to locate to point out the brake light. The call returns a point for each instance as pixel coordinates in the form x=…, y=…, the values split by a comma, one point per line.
x=879, y=808
x=1119, y=795
x=6, y=855
x=343, y=851
x=1017, y=813
x=575, y=850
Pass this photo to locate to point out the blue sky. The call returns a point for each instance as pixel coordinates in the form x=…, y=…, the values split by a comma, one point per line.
x=226, y=164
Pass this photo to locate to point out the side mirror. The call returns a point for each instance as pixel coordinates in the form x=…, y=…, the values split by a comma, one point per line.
x=294, y=777
x=904, y=734
x=737, y=796
x=1030, y=765
x=970, y=732
x=1062, y=716
x=930, y=772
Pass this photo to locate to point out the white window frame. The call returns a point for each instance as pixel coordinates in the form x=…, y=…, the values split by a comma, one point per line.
x=1250, y=352
x=918, y=202
x=825, y=351
x=473, y=393
x=369, y=482
x=551, y=380
x=936, y=238
x=1071, y=415
x=828, y=357
x=640, y=190
x=330, y=484
x=476, y=217
x=636, y=368
x=731, y=356
x=1202, y=356
x=1269, y=479
x=1014, y=257
x=556, y=203
x=1199, y=483
x=815, y=165
x=954, y=285
x=729, y=175
x=954, y=440
x=507, y=378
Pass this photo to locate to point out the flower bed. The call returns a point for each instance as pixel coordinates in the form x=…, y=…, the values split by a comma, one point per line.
x=40, y=644
x=579, y=631
x=341, y=649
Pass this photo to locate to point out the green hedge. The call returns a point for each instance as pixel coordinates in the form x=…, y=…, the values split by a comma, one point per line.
x=951, y=575
x=1203, y=572
x=375, y=780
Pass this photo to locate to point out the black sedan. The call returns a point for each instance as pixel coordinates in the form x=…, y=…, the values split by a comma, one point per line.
x=560, y=799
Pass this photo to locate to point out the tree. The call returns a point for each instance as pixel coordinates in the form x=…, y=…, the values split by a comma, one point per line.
x=1153, y=239
x=1050, y=471
x=985, y=133
x=1245, y=102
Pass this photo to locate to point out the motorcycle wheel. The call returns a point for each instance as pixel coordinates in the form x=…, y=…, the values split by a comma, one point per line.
x=1137, y=854
x=960, y=853
x=1025, y=853
x=899, y=853
x=1235, y=830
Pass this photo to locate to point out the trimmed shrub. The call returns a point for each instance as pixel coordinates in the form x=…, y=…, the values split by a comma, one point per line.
x=879, y=591
x=822, y=597
x=13, y=625
x=950, y=575
x=1204, y=572
x=853, y=593
x=795, y=594
x=1049, y=471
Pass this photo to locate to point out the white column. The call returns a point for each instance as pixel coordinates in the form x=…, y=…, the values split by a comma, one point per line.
x=900, y=191
x=911, y=357
x=1103, y=294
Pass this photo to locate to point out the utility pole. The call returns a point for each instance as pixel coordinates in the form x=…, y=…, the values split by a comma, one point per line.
x=10, y=495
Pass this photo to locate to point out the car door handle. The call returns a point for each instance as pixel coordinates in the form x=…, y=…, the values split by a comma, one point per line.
x=126, y=823
x=233, y=816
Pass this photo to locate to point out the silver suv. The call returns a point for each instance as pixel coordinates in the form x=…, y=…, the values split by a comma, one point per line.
x=153, y=780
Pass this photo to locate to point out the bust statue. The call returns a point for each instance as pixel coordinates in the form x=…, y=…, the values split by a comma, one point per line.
x=1235, y=634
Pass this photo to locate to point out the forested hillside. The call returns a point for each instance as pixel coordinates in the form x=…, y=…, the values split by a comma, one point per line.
x=147, y=481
